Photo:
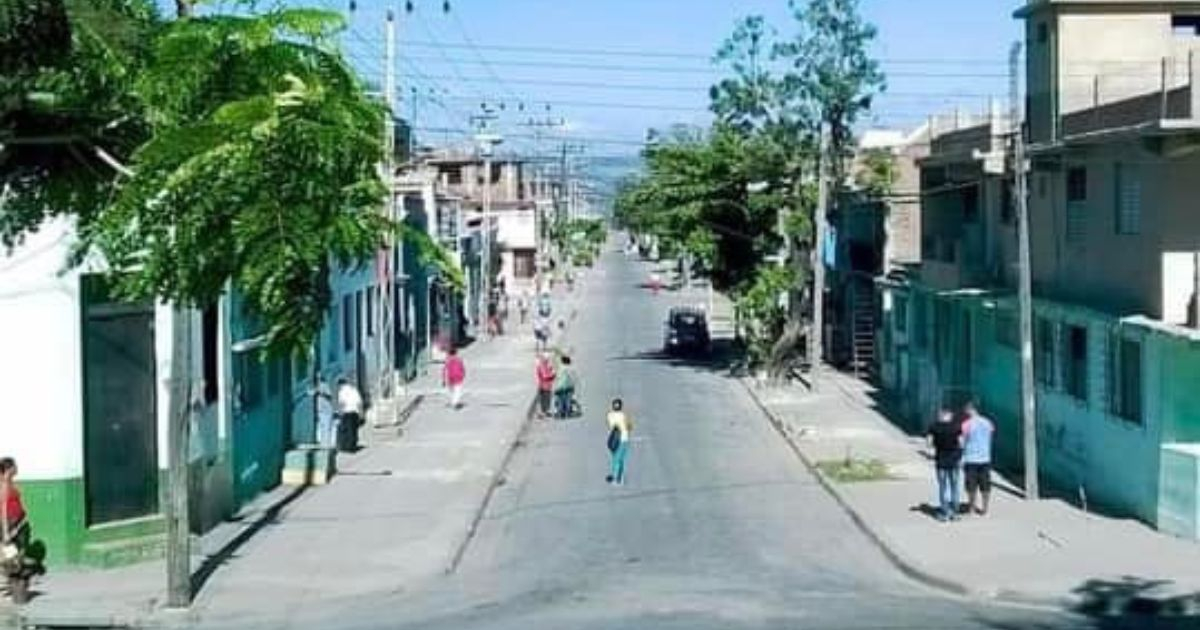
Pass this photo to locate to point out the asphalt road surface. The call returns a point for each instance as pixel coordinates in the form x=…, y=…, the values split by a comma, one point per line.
x=719, y=525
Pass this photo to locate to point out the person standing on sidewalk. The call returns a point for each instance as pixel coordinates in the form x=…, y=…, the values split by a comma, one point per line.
x=619, y=429
x=350, y=415
x=977, y=432
x=454, y=374
x=543, y=371
x=947, y=455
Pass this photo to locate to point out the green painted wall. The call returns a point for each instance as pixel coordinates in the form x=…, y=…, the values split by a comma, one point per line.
x=1082, y=445
x=55, y=510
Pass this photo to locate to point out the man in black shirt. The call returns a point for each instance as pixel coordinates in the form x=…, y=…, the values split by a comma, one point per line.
x=946, y=436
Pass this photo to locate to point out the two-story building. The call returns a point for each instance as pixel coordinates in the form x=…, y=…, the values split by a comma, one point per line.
x=1113, y=139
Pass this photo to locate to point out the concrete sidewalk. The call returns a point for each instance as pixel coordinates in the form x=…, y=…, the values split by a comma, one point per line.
x=397, y=513
x=1042, y=552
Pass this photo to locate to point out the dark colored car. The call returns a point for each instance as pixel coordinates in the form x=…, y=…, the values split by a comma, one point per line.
x=686, y=332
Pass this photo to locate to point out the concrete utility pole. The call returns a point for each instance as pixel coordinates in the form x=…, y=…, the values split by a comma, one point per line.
x=179, y=543
x=486, y=144
x=816, y=346
x=383, y=305
x=1024, y=282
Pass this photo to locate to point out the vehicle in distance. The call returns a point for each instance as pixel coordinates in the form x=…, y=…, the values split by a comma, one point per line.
x=686, y=331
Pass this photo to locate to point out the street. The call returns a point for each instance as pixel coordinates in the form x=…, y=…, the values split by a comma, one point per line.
x=719, y=525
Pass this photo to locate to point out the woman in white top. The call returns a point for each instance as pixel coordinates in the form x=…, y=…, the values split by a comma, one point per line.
x=619, y=429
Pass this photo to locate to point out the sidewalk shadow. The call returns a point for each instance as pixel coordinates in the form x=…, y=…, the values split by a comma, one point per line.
x=214, y=561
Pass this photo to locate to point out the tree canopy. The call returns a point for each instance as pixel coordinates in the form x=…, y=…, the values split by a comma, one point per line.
x=202, y=153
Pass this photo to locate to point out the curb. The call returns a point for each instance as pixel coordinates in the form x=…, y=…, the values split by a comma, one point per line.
x=497, y=477
x=497, y=481
x=906, y=566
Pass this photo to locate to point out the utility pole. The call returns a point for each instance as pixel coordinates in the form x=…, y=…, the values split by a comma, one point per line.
x=179, y=543
x=486, y=144
x=816, y=347
x=387, y=289
x=1025, y=282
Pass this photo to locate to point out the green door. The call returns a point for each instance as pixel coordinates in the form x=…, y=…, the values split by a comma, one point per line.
x=120, y=432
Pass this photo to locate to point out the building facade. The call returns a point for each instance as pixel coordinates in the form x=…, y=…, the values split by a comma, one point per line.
x=1114, y=242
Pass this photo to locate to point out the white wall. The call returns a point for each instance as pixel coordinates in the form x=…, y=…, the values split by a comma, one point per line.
x=40, y=368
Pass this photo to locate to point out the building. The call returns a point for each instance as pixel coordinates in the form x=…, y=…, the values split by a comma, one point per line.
x=1114, y=240
x=875, y=228
x=512, y=198
x=86, y=379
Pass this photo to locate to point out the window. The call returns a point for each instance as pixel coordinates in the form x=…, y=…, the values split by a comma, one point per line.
x=209, y=344
x=1008, y=210
x=970, y=204
x=1185, y=25
x=1128, y=199
x=1043, y=351
x=1075, y=361
x=454, y=175
x=920, y=331
x=359, y=320
x=496, y=169
x=1076, y=184
x=1043, y=32
x=1125, y=378
x=900, y=314
x=332, y=337
x=371, y=311
x=348, y=322
x=1007, y=330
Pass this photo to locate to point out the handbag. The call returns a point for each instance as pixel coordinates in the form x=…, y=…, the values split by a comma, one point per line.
x=614, y=439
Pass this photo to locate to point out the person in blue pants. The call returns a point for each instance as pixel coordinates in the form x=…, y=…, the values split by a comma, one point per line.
x=619, y=429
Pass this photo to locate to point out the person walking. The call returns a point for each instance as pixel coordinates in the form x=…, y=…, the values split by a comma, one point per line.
x=350, y=415
x=326, y=418
x=543, y=371
x=947, y=446
x=977, y=434
x=541, y=332
x=619, y=429
x=454, y=374
x=564, y=389
x=523, y=306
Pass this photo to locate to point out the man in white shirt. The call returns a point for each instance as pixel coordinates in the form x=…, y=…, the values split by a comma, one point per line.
x=350, y=414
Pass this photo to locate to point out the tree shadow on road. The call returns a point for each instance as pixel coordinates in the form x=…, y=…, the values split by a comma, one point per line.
x=1126, y=603
x=723, y=358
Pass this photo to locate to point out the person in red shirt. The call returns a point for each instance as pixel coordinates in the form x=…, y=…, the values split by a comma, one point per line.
x=454, y=374
x=544, y=372
x=18, y=562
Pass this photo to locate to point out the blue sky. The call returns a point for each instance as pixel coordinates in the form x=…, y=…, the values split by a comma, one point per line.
x=613, y=68
x=938, y=54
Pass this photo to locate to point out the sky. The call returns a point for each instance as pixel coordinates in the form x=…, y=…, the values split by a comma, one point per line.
x=603, y=71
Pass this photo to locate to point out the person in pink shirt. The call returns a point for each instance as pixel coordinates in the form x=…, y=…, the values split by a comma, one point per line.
x=454, y=374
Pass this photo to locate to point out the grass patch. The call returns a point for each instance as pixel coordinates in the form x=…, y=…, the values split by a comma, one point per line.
x=854, y=470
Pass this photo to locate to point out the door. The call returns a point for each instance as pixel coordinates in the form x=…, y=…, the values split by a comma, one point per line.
x=120, y=429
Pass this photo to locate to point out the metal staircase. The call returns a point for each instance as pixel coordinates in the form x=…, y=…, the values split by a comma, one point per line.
x=862, y=331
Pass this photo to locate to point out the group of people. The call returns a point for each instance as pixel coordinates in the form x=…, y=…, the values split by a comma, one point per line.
x=556, y=386
x=962, y=447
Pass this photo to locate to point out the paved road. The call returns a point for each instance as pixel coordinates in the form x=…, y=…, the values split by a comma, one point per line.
x=719, y=525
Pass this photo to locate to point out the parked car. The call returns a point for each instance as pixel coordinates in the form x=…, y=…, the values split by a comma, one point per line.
x=686, y=331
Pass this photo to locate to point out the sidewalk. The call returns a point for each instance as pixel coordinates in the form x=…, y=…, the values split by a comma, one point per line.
x=1042, y=552
x=396, y=513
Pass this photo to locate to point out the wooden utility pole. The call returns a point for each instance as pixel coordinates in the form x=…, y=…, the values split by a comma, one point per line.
x=816, y=346
x=1024, y=281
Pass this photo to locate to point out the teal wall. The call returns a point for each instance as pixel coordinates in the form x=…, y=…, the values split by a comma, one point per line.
x=1082, y=444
